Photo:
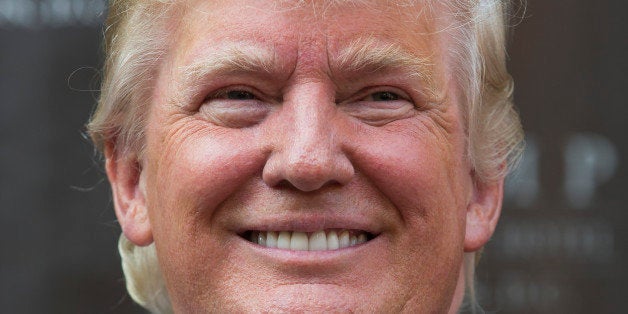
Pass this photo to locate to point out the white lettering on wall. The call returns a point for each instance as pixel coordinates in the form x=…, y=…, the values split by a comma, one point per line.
x=590, y=241
x=590, y=160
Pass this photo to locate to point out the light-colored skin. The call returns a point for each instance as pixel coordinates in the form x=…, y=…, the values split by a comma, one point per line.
x=314, y=150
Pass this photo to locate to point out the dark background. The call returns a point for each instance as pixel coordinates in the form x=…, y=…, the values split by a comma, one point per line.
x=560, y=246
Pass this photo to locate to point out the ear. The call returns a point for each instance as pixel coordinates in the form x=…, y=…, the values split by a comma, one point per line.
x=483, y=213
x=127, y=184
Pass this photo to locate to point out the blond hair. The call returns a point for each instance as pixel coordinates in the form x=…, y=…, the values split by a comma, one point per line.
x=135, y=45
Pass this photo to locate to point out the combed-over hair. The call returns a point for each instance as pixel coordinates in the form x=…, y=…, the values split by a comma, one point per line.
x=135, y=44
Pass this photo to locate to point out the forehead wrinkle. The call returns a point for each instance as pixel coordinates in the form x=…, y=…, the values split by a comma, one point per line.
x=368, y=55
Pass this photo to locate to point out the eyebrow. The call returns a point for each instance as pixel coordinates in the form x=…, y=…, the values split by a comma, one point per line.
x=364, y=55
x=370, y=55
x=234, y=57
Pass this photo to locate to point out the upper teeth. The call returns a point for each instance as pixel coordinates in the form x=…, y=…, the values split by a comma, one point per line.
x=301, y=241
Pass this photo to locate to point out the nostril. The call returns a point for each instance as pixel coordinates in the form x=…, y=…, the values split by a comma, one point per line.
x=285, y=184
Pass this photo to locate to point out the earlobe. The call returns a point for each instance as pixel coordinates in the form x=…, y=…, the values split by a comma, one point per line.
x=482, y=214
x=125, y=176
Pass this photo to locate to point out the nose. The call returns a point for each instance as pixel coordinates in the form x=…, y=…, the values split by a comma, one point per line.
x=308, y=149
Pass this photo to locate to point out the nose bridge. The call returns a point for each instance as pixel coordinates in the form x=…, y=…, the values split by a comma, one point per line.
x=310, y=141
x=309, y=154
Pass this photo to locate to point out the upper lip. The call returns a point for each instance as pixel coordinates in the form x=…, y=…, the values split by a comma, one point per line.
x=310, y=222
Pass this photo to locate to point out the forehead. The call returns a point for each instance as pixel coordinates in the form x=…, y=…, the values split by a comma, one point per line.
x=284, y=24
x=411, y=11
x=312, y=36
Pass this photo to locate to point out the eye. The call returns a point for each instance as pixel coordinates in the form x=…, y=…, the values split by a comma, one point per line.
x=232, y=94
x=235, y=107
x=383, y=96
x=379, y=105
x=239, y=95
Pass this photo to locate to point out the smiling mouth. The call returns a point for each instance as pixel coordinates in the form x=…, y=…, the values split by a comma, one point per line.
x=323, y=240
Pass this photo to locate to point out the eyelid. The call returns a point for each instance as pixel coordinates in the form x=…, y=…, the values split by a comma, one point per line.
x=221, y=93
x=367, y=91
x=220, y=110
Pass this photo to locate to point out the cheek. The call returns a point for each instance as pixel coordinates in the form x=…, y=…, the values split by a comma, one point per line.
x=190, y=173
x=425, y=177
x=422, y=173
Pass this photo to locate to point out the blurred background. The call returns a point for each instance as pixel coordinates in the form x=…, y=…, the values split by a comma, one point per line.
x=561, y=245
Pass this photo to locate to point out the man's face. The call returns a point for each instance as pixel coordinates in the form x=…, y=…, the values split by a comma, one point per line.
x=332, y=132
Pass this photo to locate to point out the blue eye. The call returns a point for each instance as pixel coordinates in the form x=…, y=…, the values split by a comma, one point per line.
x=239, y=95
x=384, y=96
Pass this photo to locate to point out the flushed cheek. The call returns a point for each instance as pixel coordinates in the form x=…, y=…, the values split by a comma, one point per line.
x=414, y=172
x=412, y=167
x=193, y=172
x=190, y=175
